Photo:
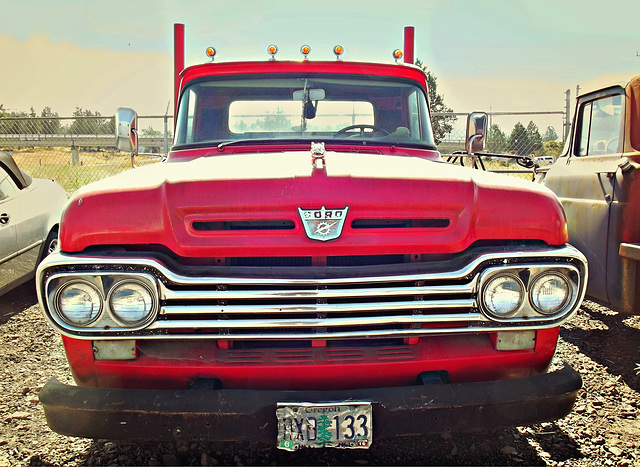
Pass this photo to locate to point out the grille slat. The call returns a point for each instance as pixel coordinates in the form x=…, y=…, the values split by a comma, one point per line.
x=314, y=323
x=310, y=293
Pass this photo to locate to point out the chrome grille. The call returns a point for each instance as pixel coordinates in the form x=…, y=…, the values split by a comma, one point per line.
x=312, y=304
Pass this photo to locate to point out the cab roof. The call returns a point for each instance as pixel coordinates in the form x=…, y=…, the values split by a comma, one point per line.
x=402, y=71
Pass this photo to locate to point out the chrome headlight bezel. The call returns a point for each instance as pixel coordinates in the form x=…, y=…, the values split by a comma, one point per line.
x=86, y=287
x=118, y=315
x=104, y=283
x=534, y=300
x=506, y=277
x=529, y=275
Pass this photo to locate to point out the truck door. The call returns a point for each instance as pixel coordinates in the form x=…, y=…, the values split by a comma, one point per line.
x=584, y=181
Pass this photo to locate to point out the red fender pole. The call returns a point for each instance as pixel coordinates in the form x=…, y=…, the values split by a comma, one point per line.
x=408, y=44
x=178, y=64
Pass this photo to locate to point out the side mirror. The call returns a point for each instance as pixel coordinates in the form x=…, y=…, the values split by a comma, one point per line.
x=476, y=131
x=127, y=130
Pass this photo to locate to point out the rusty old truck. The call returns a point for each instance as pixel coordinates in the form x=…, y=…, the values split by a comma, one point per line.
x=598, y=183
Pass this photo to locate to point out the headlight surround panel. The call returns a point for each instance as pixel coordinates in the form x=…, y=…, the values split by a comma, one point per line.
x=120, y=294
x=531, y=277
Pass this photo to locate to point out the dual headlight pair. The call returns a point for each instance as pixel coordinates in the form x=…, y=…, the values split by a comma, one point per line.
x=517, y=292
x=106, y=301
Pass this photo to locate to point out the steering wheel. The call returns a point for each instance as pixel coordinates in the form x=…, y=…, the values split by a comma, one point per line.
x=362, y=127
x=612, y=146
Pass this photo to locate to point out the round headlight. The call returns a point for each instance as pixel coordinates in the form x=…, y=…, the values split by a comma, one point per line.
x=131, y=303
x=503, y=295
x=79, y=303
x=550, y=293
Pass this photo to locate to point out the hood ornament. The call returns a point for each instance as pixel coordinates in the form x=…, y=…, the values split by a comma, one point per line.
x=323, y=224
x=317, y=154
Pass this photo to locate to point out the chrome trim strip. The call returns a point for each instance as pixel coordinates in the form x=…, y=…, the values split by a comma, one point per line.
x=60, y=259
x=318, y=308
x=169, y=294
x=15, y=254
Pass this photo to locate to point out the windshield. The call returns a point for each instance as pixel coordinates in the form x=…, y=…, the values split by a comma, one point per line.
x=348, y=109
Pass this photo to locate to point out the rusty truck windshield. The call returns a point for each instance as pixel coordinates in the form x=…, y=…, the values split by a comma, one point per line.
x=343, y=109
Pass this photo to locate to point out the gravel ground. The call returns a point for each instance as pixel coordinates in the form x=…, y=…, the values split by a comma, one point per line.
x=603, y=429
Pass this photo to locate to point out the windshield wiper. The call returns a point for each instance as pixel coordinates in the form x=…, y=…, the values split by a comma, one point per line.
x=222, y=145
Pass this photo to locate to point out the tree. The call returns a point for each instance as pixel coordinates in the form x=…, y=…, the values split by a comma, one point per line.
x=519, y=140
x=552, y=148
x=14, y=127
x=496, y=140
x=50, y=127
x=272, y=122
x=91, y=126
x=535, y=140
x=150, y=131
x=550, y=135
x=27, y=123
x=442, y=124
x=240, y=126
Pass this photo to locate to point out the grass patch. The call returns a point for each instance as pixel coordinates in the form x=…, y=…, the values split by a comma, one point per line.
x=58, y=164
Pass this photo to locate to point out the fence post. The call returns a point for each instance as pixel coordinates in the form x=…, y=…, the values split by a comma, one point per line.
x=75, y=160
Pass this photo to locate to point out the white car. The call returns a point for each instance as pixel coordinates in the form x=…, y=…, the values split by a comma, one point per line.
x=29, y=216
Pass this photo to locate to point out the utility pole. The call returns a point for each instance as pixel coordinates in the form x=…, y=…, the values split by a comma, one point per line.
x=567, y=116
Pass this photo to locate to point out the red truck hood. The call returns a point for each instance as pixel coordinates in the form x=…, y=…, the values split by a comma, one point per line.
x=158, y=204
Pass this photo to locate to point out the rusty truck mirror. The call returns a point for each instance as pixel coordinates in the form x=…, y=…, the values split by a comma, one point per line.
x=476, y=132
x=127, y=130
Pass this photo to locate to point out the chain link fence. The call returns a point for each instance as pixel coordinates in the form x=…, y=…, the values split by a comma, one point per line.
x=75, y=151
x=539, y=135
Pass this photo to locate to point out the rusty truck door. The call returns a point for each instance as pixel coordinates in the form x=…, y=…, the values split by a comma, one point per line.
x=584, y=180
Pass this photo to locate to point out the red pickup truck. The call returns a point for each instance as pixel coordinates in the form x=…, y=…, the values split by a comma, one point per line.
x=305, y=270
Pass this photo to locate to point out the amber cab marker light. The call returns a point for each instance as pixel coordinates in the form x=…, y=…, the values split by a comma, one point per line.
x=338, y=50
x=397, y=55
x=211, y=53
x=272, y=50
x=305, y=50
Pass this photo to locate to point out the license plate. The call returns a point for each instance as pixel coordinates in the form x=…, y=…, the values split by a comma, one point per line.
x=346, y=425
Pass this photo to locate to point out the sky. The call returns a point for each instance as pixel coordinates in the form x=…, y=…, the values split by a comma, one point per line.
x=501, y=56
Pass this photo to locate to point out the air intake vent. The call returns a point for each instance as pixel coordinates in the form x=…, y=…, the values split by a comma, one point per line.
x=203, y=226
x=437, y=223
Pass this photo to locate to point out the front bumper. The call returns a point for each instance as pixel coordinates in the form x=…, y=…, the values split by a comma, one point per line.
x=238, y=414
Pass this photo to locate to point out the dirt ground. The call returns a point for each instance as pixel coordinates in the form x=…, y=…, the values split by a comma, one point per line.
x=603, y=428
